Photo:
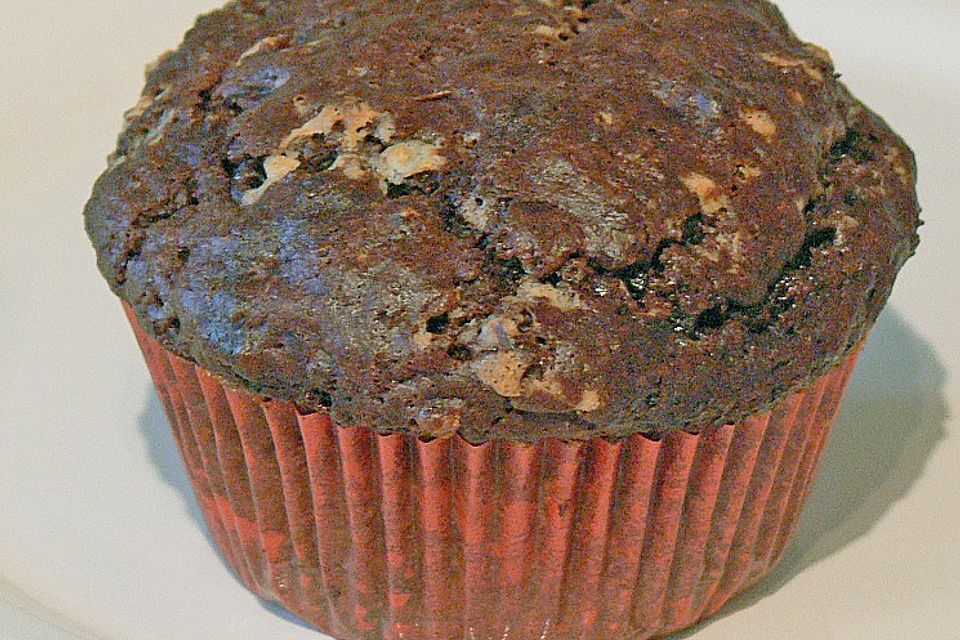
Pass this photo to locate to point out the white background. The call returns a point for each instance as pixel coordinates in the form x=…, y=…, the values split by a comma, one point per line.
x=99, y=537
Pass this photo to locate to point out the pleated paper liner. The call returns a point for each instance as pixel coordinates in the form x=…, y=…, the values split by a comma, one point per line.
x=368, y=537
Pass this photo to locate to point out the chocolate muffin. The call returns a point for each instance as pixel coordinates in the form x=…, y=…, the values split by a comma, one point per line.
x=528, y=224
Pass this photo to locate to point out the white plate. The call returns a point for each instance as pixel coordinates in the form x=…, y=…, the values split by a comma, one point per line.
x=99, y=536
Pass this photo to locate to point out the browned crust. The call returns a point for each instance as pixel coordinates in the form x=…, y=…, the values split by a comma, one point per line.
x=505, y=219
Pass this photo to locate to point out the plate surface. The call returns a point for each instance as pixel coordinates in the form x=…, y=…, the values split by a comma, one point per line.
x=99, y=536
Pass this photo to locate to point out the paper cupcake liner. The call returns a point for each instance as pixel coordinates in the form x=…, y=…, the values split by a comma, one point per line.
x=367, y=536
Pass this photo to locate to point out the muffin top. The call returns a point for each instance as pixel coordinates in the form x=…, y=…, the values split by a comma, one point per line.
x=505, y=218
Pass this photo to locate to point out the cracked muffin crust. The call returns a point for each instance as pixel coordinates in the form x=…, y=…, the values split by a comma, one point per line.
x=516, y=219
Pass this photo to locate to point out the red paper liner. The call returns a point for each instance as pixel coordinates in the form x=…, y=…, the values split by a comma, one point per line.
x=367, y=536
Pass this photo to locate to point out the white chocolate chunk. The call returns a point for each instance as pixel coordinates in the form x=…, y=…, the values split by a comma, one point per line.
x=276, y=167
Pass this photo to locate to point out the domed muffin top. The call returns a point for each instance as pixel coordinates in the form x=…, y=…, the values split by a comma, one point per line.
x=505, y=218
